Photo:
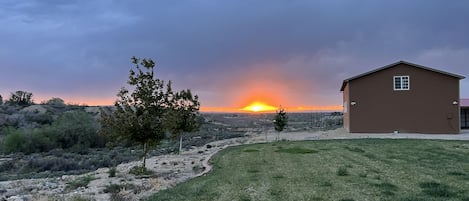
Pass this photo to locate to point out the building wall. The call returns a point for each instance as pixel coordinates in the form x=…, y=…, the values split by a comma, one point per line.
x=346, y=106
x=426, y=108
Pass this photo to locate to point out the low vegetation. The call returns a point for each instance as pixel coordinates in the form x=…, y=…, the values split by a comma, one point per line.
x=54, y=138
x=80, y=182
x=368, y=169
x=75, y=130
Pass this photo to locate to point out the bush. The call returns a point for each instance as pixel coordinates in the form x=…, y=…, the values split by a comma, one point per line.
x=80, y=182
x=112, y=172
x=7, y=166
x=51, y=163
x=39, y=118
x=13, y=141
x=342, y=171
x=55, y=102
x=27, y=140
x=74, y=130
x=140, y=170
x=77, y=129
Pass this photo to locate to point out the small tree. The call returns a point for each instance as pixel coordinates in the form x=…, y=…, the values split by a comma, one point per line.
x=182, y=118
x=139, y=115
x=280, y=121
x=1, y=100
x=21, y=98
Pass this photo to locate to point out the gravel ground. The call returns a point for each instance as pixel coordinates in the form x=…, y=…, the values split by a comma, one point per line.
x=171, y=169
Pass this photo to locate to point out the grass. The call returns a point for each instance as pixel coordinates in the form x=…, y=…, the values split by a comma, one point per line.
x=365, y=169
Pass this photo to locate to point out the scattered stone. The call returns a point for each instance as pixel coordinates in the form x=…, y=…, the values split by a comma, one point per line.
x=209, y=146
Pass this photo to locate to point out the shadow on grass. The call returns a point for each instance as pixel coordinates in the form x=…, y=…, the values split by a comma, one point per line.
x=296, y=150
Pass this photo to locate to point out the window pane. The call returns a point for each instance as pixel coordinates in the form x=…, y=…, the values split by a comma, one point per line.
x=397, y=83
x=405, y=82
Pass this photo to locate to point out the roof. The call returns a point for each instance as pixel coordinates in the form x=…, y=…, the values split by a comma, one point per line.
x=464, y=102
x=344, y=83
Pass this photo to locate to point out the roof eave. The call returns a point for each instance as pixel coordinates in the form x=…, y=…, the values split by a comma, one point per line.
x=344, y=83
x=397, y=63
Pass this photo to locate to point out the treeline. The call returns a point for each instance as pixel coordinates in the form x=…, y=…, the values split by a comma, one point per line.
x=25, y=98
x=29, y=128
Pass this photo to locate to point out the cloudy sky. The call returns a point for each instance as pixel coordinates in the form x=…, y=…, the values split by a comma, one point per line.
x=229, y=52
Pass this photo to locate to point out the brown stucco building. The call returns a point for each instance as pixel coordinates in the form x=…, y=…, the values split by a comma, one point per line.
x=402, y=97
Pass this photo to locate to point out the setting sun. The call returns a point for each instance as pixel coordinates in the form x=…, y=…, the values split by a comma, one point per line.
x=259, y=107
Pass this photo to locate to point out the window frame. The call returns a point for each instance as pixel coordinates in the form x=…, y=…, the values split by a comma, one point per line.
x=401, y=83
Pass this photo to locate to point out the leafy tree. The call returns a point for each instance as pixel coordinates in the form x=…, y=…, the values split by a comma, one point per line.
x=1, y=100
x=183, y=115
x=139, y=115
x=22, y=98
x=280, y=121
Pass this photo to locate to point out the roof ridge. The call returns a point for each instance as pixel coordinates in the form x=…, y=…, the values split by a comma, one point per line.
x=394, y=64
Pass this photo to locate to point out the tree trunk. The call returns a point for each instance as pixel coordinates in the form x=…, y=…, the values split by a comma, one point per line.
x=144, y=155
x=180, y=144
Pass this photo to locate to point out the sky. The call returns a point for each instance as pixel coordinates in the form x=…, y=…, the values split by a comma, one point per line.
x=293, y=53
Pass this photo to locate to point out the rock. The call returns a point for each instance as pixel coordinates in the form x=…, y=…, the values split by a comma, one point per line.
x=209, y=146
x=15, y=198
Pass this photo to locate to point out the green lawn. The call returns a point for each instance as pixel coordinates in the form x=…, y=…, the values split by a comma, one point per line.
x=336, y=170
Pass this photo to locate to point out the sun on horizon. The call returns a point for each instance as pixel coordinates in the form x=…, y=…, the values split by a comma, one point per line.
x=259, y=107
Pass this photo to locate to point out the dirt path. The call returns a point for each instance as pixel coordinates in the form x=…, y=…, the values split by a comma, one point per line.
x=169, y=169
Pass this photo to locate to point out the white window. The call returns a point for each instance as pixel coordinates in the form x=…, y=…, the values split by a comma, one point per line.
x=401, y=83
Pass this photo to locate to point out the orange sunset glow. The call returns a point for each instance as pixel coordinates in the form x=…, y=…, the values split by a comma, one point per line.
x=259, y=107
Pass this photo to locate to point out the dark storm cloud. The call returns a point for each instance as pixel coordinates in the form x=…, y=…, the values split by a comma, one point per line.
x=60, y=47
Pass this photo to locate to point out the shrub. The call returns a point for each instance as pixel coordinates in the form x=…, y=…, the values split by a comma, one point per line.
x=27, y=140
x=55, y=102
x=52, y=163
x=80, y=182
x=140, y=170
x=7, y=166
x=13, y=141
x=39, y=118
x=342, y=171
x=77, y=128
x=116, y=188
x=112, y=172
